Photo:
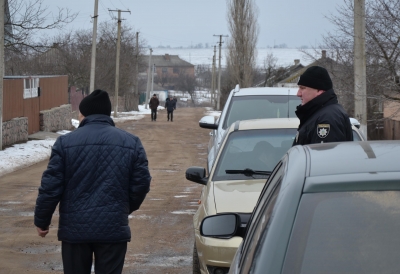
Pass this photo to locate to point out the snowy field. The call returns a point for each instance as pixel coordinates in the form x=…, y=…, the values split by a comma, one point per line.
x=284, y=57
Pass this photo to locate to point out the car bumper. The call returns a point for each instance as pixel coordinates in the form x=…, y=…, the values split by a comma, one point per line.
x=216, y=252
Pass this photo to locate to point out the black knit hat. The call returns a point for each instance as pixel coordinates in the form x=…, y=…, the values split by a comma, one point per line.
x=316, y=77
x=97, y=102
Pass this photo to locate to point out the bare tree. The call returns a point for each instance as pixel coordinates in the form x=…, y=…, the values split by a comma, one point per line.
x=70, y=55
x=270, y=66
x=382, y=51
x=27, y=19
x=243, y=27
x=186, y=83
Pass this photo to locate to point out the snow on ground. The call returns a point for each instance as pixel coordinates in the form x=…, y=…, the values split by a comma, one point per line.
x=23, y=155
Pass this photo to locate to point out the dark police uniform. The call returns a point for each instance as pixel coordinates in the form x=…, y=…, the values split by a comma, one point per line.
x=323, y=120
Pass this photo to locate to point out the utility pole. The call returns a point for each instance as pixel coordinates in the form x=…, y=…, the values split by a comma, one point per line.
x=136, y=68
x=1, y=69
x=117, y=63
x=152, y=77
x=219, y=71
x=148, y=81
x=213, y=79
x=360, y=86
x=94, y=39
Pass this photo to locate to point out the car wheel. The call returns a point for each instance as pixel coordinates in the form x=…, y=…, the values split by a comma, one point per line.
x=196, y=263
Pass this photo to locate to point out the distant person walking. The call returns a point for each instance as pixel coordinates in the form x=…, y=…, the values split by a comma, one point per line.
x=98, y=174
x=322, y=118
x=154, y=103
x=170, y=105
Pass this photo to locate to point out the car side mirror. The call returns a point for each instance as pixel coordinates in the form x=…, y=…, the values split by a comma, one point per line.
x=220, y=226
x=197, y=174
x=208, y=122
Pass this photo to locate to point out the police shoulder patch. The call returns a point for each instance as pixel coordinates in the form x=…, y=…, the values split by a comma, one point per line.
x=323, y=130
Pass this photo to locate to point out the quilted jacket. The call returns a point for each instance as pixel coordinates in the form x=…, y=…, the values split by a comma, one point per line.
x=99, y=175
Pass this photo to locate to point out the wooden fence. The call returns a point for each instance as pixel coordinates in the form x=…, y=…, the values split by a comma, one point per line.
x=53, y=93
x=391, y=130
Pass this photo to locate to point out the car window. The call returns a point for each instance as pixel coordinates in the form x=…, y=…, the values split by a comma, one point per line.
x=261, y=218
x=261, y=106
x=356, y=137
x=346, y=232
x=258, y=150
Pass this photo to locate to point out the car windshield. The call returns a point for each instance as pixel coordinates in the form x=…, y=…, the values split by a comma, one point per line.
x=261, y=106
x=346, y=232
x=257, y=150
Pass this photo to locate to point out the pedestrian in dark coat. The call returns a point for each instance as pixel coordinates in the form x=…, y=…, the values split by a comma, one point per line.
x=154, y=103
x=170, y=105
x=98, y=174
x=322, y=118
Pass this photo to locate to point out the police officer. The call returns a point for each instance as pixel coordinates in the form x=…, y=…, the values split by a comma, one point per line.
x=322, y=118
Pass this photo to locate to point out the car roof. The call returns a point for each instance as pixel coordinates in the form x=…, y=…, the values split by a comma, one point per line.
x=265, y=91
x=345, y=166
x=267, y=123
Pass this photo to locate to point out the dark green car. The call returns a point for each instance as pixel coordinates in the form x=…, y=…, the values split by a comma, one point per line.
x=327, y=208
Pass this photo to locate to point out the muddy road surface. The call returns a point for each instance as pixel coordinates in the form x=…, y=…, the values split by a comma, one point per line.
x=162, y=229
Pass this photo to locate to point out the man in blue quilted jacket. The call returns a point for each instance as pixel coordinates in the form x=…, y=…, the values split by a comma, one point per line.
x=98, y=174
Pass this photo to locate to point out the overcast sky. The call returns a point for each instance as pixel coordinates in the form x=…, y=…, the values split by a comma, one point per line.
x=177, y=23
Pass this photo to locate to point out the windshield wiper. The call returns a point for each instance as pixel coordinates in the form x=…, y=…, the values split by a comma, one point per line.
x=247, y=172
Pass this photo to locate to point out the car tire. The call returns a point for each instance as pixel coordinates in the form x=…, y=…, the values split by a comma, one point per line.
x=196, y=263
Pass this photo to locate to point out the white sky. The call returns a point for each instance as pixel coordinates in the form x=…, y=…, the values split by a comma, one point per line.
x=26, y=154
x=190, y=22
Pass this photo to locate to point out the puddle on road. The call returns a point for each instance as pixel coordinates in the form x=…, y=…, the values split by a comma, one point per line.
x=26, y=214
x=165, y=170
x=40, y=249
x=159, y=261
x=11, y=203
x=187, y=211
x=141, y=217
x=181, y=196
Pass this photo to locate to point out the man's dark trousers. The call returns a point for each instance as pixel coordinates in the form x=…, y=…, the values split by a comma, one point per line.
x=109, y=258
x=172, y=115
x=153, y=114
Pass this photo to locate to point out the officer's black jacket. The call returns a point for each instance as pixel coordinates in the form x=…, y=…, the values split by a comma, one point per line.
x=323, y=120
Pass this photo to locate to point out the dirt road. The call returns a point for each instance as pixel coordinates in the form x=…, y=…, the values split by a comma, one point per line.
x=162, y=230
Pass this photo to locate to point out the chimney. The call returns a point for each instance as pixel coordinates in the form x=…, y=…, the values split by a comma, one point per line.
x=296, y=62
x=166, y=57
x=323, y=54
